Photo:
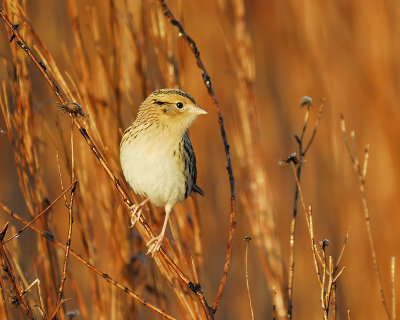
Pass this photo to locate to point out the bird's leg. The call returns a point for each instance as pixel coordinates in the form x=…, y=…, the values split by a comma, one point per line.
x=155, y=242
x=136, y=211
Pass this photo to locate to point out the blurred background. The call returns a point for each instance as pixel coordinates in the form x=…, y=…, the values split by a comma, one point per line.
x=262, y=56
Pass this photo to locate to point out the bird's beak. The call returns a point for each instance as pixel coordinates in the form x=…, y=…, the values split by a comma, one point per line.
x=197, y=110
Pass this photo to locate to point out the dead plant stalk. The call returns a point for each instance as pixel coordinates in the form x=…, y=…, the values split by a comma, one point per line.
x=361, y=173
x=76, y=113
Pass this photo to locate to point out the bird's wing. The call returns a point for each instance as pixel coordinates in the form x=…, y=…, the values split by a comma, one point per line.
x=197, y=189
x=189, y=153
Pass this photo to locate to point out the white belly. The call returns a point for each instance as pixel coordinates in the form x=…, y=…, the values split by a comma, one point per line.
x=152, y=171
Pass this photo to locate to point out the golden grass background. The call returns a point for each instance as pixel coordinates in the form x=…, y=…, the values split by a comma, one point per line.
x=346, y=53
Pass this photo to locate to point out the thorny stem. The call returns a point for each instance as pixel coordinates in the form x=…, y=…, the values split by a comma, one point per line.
x=207, y=81
x=74, y=113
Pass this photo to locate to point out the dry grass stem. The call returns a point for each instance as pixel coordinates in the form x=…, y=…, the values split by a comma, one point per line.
x=17, y=297
x=298, y=160
x=361, y=174
x=326, y=271
x=207, y=81
x=20, y=41
x=247, y=239
x=18, y=233
x=68, y=245
x=256, y=199
x=392, y=278
x=67, y=250
x=47, y=235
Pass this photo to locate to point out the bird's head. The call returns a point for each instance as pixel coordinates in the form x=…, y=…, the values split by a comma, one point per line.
x=171, y=108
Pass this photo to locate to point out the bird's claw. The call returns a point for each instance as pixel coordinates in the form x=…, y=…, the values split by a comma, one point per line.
x=154, y=244
x=135, y=215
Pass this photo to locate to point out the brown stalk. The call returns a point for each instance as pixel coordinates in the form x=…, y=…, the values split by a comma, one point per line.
x=17, y=299
x=308, y=215
x=26, y=149
x=247, y=239
x=59, y=303
x=68, y=245
x=75, y=112
x=361, y=174
x=138, y=54
x=256, y=200
x=207, y=81
x=392, y=275
x=41, y=305
x=18, y=233
x=298, y=160
x=114, y=39
x=50, y=237
x=3, y=308
x=183, y=232
x=330, y=273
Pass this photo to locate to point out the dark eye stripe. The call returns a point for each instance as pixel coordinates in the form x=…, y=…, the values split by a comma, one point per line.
x=160, y=103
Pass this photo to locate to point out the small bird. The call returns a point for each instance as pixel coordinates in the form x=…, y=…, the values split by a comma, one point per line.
x=156, y=155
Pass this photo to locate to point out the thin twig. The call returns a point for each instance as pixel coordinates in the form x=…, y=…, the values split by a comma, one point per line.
x=313, y=246
x=29, y=287
x=50, y=237
x=39, y=293
x=207, y=81
x=361, y=173
x=58, y=306
x=339, y=259
x=18, y=233
x=309, y=221
x=247, y=239
x=294, y=216
x=323, y=283
x=68, y=246
x=392, y=274
x=247, y=136
x=338, y=274
x=196, y=288
x=334, y=304
x=328, y=287
x=302, y=153
x=17, y=299
x=315, y=126
x=40, y=307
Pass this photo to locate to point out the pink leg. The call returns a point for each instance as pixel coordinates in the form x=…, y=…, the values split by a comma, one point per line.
x=136, y=212
x=155, y=242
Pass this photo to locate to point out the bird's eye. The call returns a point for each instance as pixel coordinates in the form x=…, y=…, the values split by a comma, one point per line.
x=179, y=105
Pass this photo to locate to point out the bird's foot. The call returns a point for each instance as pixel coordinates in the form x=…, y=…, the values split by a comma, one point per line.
x=136, y=212
x=154, y=244
x=135, y=215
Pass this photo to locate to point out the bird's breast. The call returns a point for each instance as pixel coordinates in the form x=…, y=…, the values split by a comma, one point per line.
x=154, y=167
